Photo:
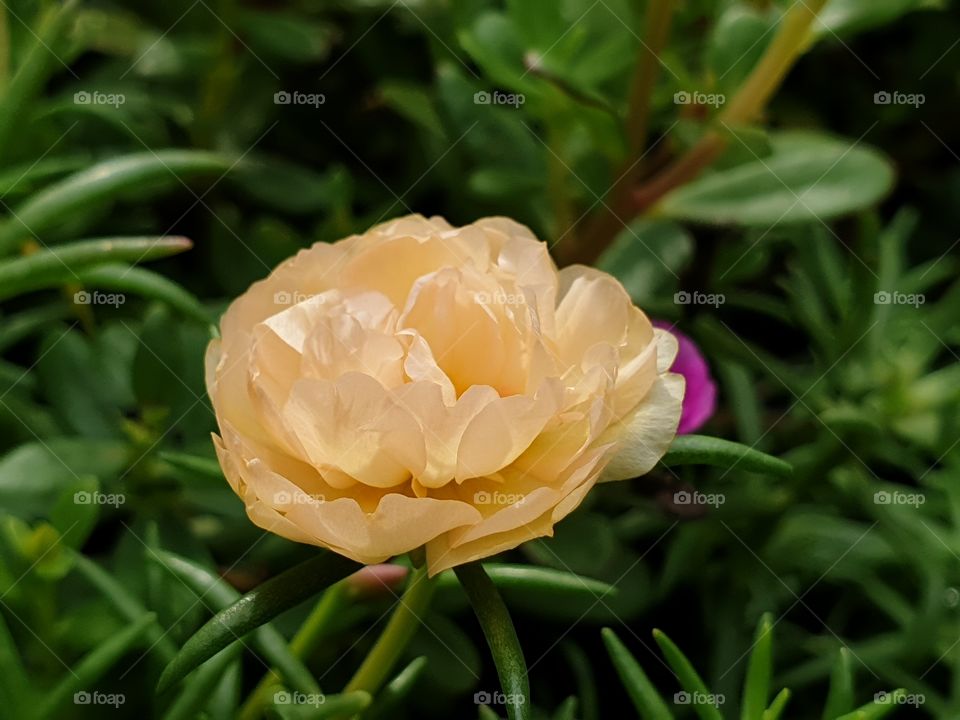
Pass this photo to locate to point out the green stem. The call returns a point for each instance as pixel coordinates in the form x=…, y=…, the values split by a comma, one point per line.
x=610, y=220
x=308, y=636
x=400, y=628
x=657, y=26
x=4, y=49
x=788, y=44
x=501, y=637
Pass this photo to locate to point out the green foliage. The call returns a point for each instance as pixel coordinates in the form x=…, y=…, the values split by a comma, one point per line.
x=819, y=224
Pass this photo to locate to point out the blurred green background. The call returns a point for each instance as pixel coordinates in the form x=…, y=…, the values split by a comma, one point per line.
x=827, y=224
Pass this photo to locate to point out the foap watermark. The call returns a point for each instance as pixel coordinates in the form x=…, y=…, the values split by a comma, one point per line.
x=285, y=697
x=499, y=298
x=684, y=497
x=285, y=497
x=285, y=97
x=497, y=497
x=698, y=698
x=482, y=697
x=885, y=497
x=96, y=697
x=887, y=698
x=884, y=97
x=286, y=297
x=683, y=97
x=951, y=597
x=698, y=298
x=484, y=97
x=85, y=497
x=85, y=97
x=894, y=297
x=95, y=297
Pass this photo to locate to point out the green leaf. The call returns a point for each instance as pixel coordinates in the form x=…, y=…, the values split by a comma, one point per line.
x=284, y=186
x=581, y=668
x=165, y=375
x=347, y=704
x=778, y=705
x=847, y=17
x=129, y=607
x=75, y=520
x=15, y=687
x=224, y=700
x=68, y=367
x=413, y=103
x=206, y=467
x=254, y=609
x=145, y=283
x=51, y=466
x=292, y=37
x=756, y=687
x=93, y=666
x=196, y=691
x=690, y=681
x=28, y=177
x=501, y=637
x=840, y=696
x=567, y=710
x=454, y=662
x=704, y=450
x=736, y=44
x=46, y=268
x=535, y=588
x=28, y=322
x=266, y=638
x=40, y=61
x=807, y=177
x=102, y=183
x=647, y=257
x=393, y=694
x=880, y=707
x=644, y=695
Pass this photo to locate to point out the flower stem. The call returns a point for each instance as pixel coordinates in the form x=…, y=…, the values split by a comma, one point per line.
x=609, y=219
x=784, y=50
x=787, y=45
x=501, y=638
x=400, y=628
x=657, y=24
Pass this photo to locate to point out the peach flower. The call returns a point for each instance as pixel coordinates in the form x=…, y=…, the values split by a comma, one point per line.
x=426, y=385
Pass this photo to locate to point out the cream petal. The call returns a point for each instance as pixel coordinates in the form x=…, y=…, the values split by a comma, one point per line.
x=644, y=435
x=459, y=329
x=593, y=308
x=399, y=524
x=667, y=349
x=420, y=365
x=502, y=430
x=443, y=426
x=441, y=556
x=393, y=264
x=341, y=344
x=354, y=425
x=309, y=273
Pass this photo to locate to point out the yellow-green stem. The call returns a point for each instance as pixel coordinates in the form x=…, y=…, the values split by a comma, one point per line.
x=400, y=628
x=788, y=44
x=657, y=31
